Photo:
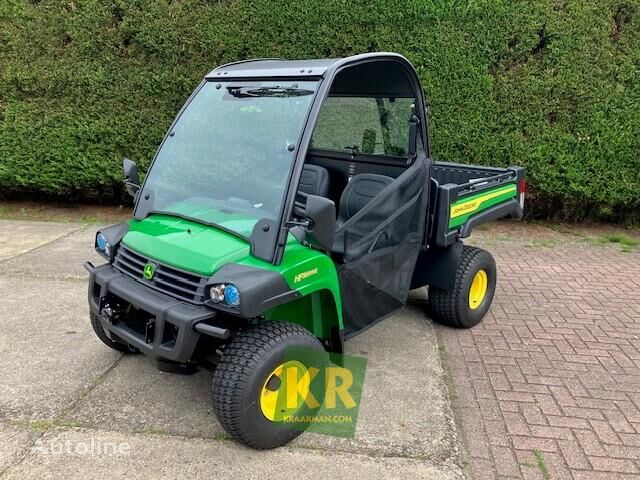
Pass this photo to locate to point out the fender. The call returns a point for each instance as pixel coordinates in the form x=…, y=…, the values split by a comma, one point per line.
x=260, y=289
x=437, y=267
x=114, y=235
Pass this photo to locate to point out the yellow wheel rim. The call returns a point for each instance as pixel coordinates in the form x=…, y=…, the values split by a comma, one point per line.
x=278, y=402
x=478, y=289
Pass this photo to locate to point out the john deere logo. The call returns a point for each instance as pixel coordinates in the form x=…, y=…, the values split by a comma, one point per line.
x=149, y=270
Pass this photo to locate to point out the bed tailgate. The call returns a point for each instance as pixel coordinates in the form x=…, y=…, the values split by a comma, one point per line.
x=461, y=207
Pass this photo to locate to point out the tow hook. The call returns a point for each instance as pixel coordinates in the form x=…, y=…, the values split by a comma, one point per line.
x=110, y=314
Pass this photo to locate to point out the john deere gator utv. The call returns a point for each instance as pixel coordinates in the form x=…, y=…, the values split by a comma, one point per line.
x=292, y=204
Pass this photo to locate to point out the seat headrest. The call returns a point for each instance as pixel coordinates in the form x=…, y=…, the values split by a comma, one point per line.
x=314, y=180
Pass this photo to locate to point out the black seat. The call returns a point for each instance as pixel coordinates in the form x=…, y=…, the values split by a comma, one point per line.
x=358, y=192
x=314, y=180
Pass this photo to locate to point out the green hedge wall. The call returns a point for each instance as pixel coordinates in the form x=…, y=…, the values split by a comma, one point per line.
x=553, y=85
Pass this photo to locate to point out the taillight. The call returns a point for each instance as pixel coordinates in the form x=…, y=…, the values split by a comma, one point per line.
x=522, y=189
x=522, y=186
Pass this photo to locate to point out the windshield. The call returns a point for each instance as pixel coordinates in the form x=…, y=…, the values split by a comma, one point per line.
x=227, y=160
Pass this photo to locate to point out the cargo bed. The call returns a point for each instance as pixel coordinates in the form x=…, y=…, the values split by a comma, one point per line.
x=465, y=196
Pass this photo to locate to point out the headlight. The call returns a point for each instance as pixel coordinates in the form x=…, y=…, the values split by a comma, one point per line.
x=226, y=292
x=102, y=241
x=217, y=293
x=103, y=244
x=232, y=295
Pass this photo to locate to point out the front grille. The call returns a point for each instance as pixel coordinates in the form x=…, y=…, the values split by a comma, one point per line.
x=177, y=283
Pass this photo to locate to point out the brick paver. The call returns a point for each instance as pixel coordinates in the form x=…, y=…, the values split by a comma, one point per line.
x=548, y=386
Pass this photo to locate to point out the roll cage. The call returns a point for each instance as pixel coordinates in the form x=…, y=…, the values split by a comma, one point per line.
x=373, y=74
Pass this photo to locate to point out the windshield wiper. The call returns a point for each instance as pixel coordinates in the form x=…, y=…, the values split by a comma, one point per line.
x=197, y=220
x=245, y=92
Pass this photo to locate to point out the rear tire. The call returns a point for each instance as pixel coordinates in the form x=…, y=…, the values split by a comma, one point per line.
x=472, y=294
x=102, y=335
x=247, y=366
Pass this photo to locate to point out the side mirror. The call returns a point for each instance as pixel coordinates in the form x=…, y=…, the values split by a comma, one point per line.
x=131, y=179
x=321, y=215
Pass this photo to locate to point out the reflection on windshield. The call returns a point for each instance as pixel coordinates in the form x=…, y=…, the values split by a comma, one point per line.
x=275, y=91
x=228, y=158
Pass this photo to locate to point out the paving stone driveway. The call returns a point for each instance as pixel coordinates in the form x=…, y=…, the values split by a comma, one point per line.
x=548, y=386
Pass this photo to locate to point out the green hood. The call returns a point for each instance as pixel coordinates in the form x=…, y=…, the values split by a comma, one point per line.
x=184, y=244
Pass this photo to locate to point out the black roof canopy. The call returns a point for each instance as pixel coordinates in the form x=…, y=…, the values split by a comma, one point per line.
x=272, y=68
x=368, y=73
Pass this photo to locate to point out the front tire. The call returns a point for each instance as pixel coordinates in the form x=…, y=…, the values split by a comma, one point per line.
x=246, y=378
x=472, y=294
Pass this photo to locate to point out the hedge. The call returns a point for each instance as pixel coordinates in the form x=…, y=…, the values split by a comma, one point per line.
x=553, y=85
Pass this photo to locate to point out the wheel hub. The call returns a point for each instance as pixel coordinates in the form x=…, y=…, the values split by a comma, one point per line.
x=478, y=289
x=284, y=390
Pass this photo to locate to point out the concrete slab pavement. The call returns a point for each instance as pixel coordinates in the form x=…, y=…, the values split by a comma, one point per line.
x=136, y=397
x=62, y=259
x=167, y=457
x=403, y=377
x=56, y=376
x=405, y=410
x=16, y=442
x=48, y=352
x=17, y=238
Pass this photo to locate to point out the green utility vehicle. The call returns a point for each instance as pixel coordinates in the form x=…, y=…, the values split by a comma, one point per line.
x=292, y=204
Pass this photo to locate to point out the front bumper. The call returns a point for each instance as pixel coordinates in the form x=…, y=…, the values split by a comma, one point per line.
x=170, y=332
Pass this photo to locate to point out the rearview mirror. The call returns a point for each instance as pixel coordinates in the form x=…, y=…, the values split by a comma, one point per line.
x=131, y=179
x=321, y=227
